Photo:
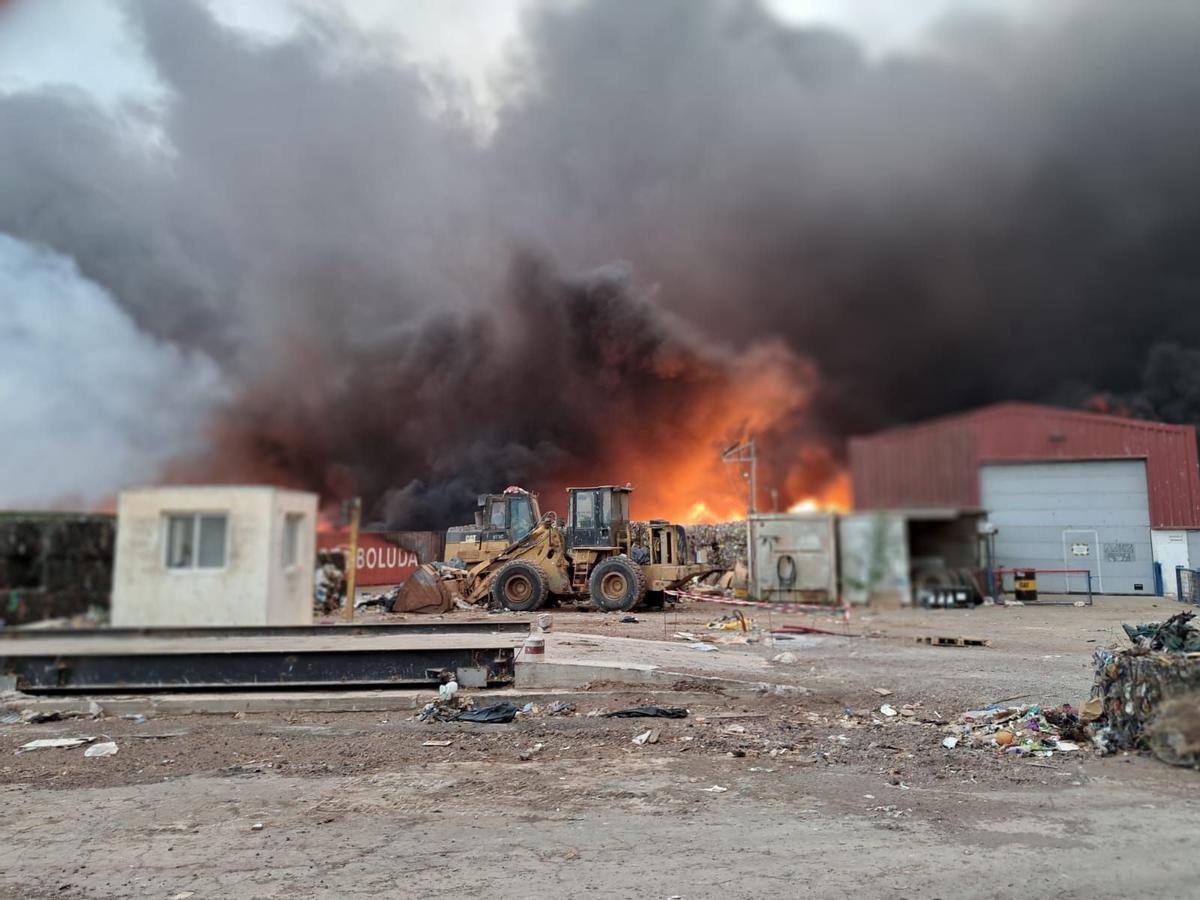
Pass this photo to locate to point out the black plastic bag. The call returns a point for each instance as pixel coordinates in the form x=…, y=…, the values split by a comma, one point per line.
x=490, y=715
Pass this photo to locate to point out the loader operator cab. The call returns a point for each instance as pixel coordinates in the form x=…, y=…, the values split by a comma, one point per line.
x=500, y=520
x=598, y=517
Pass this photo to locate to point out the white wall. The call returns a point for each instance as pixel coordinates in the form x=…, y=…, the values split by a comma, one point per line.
x=250, y=589
x=291, y=587
x=1171, y=550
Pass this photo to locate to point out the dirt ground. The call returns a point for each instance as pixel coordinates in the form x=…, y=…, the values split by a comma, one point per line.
x=822, y=795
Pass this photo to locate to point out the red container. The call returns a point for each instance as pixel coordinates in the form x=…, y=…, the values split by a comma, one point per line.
x=385, y=558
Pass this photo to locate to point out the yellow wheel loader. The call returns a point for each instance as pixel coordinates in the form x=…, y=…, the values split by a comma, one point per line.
x=589, y=555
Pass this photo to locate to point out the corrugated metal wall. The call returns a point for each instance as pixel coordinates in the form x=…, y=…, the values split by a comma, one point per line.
x=937, y=463
x=933, y=464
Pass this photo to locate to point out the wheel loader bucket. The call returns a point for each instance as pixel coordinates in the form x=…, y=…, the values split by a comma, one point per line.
x=425, y=591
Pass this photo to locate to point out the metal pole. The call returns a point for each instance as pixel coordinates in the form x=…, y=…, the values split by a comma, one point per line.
x=751, y=555
x=352, y=562
x=747, y=452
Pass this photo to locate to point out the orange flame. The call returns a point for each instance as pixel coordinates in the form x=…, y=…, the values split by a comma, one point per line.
x=684, y=479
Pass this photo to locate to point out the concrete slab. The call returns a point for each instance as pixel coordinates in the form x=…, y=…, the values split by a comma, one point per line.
x=102, y=645
x=575, y=660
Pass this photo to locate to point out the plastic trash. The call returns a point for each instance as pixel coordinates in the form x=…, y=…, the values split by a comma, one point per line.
x=55, y=744
x=497, y=713
x=104, y=748
x=888, y=710
x=447, y=691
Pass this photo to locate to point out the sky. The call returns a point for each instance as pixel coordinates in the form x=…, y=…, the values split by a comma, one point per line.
x=85, y=44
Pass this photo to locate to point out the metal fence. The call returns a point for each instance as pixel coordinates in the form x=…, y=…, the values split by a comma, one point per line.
x=1187, y=581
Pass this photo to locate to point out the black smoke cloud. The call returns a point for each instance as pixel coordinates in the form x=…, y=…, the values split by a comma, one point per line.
x=1012, y=208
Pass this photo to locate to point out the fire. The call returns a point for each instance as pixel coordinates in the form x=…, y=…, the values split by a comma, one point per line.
x=677, y=472
x=835, y=497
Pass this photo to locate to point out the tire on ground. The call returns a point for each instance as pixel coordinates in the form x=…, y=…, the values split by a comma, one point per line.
x=520, y=586
x=617, y=584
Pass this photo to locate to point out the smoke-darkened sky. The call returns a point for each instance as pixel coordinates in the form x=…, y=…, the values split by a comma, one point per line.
x=719, y=211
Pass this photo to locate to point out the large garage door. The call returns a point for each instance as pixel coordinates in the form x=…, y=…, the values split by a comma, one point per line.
x=1080, y=515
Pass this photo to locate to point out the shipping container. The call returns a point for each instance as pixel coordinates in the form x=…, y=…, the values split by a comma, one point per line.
x=795, y=557
x=386, y=558
x=873, y=554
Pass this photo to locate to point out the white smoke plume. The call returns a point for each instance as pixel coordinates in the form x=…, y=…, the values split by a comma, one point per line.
x=90, y=402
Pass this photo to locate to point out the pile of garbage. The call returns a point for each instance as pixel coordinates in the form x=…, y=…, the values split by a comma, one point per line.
x=723, y=544
x=1147, y=696
x=1178, y=634
x=1025, y=730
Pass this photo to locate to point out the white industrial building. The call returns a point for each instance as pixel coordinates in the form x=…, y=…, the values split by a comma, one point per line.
x=214, y=555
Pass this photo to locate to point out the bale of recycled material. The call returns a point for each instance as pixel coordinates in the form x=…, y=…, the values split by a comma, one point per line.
x=1174, y=734
x=1133, y=685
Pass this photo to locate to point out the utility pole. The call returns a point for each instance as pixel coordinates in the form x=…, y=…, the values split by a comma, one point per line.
x=746, y=452
x=355, y=510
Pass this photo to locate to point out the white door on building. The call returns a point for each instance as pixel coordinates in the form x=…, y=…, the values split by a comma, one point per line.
x=1093, y=515
x=1081, y=550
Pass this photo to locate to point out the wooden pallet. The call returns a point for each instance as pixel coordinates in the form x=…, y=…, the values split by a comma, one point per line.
x=938, y=641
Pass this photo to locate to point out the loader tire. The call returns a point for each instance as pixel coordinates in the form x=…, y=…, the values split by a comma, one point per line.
x=520, y=586
x=617, y=584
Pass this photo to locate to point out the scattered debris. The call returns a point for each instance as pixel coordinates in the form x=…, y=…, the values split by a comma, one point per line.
x=950, y=743
x=938, y=641
x=882, y=692
x=784, y=630
x=1177, y=634
x=734, y=621
x=104, y=748
x=135, y=718
x=629, y=620
x=257, y=826
x=1019, y=730
x=452, y=711
x=715, y=789
x=651, y=712
x=437, y=743
x=55, y=744
x=785, y=658
x=888, y=710
x=703, y=648
x=649, y=736
x=560, y=708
